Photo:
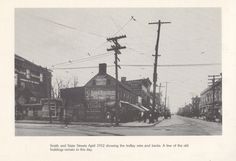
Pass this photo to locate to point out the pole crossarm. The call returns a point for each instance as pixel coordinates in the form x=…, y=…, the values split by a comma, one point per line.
x=214, y=76
x=114, y=48
x=154, y=23
x=116, y=38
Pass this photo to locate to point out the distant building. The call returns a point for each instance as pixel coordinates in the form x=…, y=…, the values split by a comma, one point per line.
x=207, y=106
x=195, y=106
x=140, y=87
x=32, y=83
x=186, y=110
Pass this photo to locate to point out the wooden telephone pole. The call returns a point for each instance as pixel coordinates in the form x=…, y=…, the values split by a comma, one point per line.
x=166, y=95
x=159, y=23
x=116, y=48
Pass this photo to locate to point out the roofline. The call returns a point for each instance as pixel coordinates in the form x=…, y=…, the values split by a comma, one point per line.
x=24, y=59
x=210, y=87
x=119, y=82
x=147, y=79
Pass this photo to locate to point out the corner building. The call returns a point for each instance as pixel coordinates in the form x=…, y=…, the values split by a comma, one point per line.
x=100, y=97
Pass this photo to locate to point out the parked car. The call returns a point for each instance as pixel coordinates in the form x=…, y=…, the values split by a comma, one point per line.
x=167, y=114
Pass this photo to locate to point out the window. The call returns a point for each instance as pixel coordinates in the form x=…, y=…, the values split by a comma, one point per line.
x=22, y=84
x=27, y=73
x=53, y=111
x=16, y=79
x=41, y=77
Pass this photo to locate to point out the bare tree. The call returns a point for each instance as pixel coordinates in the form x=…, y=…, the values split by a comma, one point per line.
x=58, y=85
x=75, y=83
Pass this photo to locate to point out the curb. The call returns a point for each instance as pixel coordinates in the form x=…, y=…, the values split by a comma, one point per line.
x=150, y=125
x=87, y=124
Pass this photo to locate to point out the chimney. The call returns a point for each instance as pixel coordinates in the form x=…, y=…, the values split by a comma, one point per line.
x=102, y=68
x=123, y=79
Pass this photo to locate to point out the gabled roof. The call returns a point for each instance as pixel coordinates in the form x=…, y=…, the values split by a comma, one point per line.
x=111, y=78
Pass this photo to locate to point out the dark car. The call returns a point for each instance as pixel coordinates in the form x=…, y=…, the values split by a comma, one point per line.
x=167, y=114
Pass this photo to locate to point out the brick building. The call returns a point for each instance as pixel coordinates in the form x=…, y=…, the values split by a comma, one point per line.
x=140, y=87
x=32, y=83
x=100, y=97
x=208, y=107
x=96, y=99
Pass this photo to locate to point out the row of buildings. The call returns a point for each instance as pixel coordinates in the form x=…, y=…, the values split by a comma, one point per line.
x=94, y=101
x=208, y=105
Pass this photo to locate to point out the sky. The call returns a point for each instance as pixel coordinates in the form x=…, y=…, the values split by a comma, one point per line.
x=71, y=38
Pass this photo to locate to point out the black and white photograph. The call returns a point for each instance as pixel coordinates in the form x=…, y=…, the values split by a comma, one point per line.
x=118, y=71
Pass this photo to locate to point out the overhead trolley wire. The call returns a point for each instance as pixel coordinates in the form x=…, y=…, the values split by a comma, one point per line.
x=67, y=26
x=138, y=65
x=90, y=58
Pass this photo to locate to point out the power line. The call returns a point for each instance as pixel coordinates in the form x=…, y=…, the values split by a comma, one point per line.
x=130, y=65
x=176, y=65
x=73, y=28
x=67, y=26
x=90, y=58
x=124, y=25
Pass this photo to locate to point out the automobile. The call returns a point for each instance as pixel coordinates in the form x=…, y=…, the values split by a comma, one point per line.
x=167, y=114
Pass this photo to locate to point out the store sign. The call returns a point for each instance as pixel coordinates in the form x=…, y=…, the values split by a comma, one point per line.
x=101, y=81
x=102, y=94
x=30, y=81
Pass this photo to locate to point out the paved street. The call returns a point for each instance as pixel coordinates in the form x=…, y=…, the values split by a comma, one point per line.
x=177, y=125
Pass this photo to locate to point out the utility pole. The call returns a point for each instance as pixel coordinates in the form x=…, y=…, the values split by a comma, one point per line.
x=166, y=94
x=49, y=103
x=213, y=79
x=160, y=110
x=160, y=91
x=116, y=48
x=155, y=62
x=168, y=102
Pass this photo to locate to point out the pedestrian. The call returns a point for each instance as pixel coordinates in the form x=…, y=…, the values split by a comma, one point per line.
x=139, y=116
x=145, y=117
x=66, y=121
x=151, y=119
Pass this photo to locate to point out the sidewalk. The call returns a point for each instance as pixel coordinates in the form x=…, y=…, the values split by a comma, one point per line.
x=141, y=124
x=96, y=124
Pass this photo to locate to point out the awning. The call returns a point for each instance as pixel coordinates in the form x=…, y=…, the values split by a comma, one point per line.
x=132, y=105
x=146, y=109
